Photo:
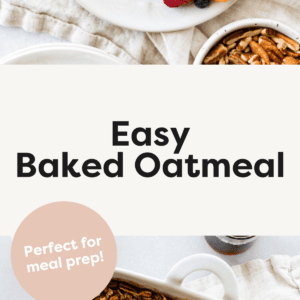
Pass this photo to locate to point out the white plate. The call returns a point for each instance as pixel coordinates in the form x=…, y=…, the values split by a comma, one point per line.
x=60, y=54
x=152, y=15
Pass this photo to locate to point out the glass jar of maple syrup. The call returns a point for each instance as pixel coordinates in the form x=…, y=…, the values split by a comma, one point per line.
x=231, y=244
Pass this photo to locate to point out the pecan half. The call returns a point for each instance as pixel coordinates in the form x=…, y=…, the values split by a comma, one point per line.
x=222, y=61
x=146, y=294
x=290, y=61
x=243, y=44
x=268, y=32
x=282, y=48
x=274, y=58
x=259, y=50
x=236, y=59
x=215, y=54
x=293, y=54
x=247, y=49
x=266, y=39
x=109, y=293
x=291, y=43
x=240, y=36
x=256, y=63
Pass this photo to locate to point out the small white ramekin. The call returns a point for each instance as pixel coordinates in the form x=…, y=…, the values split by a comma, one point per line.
x=220, y=34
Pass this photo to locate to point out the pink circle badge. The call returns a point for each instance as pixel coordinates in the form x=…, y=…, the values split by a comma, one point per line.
x=64, y=250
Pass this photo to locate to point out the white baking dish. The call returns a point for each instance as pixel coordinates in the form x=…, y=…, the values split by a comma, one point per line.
x=172, y=285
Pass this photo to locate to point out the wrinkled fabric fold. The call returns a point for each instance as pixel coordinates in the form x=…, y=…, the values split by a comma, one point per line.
x=277, y=278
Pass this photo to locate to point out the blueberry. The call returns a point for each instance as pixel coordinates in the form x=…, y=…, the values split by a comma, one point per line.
x=202, y=3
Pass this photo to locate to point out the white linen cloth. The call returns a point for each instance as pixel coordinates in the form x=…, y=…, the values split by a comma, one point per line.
x=68, y=20
x=277, y=278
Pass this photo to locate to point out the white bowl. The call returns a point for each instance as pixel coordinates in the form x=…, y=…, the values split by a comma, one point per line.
x=60, y=54
x=172, y=285
x=220, y=34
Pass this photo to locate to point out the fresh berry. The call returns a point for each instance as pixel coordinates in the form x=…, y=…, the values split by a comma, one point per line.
x=202, y=3
x=176, y=3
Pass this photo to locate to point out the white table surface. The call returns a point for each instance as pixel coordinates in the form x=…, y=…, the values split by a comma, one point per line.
x=155, y=256
x=14, y=38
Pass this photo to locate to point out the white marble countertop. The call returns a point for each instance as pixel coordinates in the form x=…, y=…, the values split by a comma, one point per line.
x=15, y=38
x=155, y=256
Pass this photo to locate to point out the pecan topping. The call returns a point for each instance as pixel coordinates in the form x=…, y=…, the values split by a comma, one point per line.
x=118, y=290
x=255, y=46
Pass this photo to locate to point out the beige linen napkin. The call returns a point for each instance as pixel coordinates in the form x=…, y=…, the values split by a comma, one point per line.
x=275, y=279
x=68, y=20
